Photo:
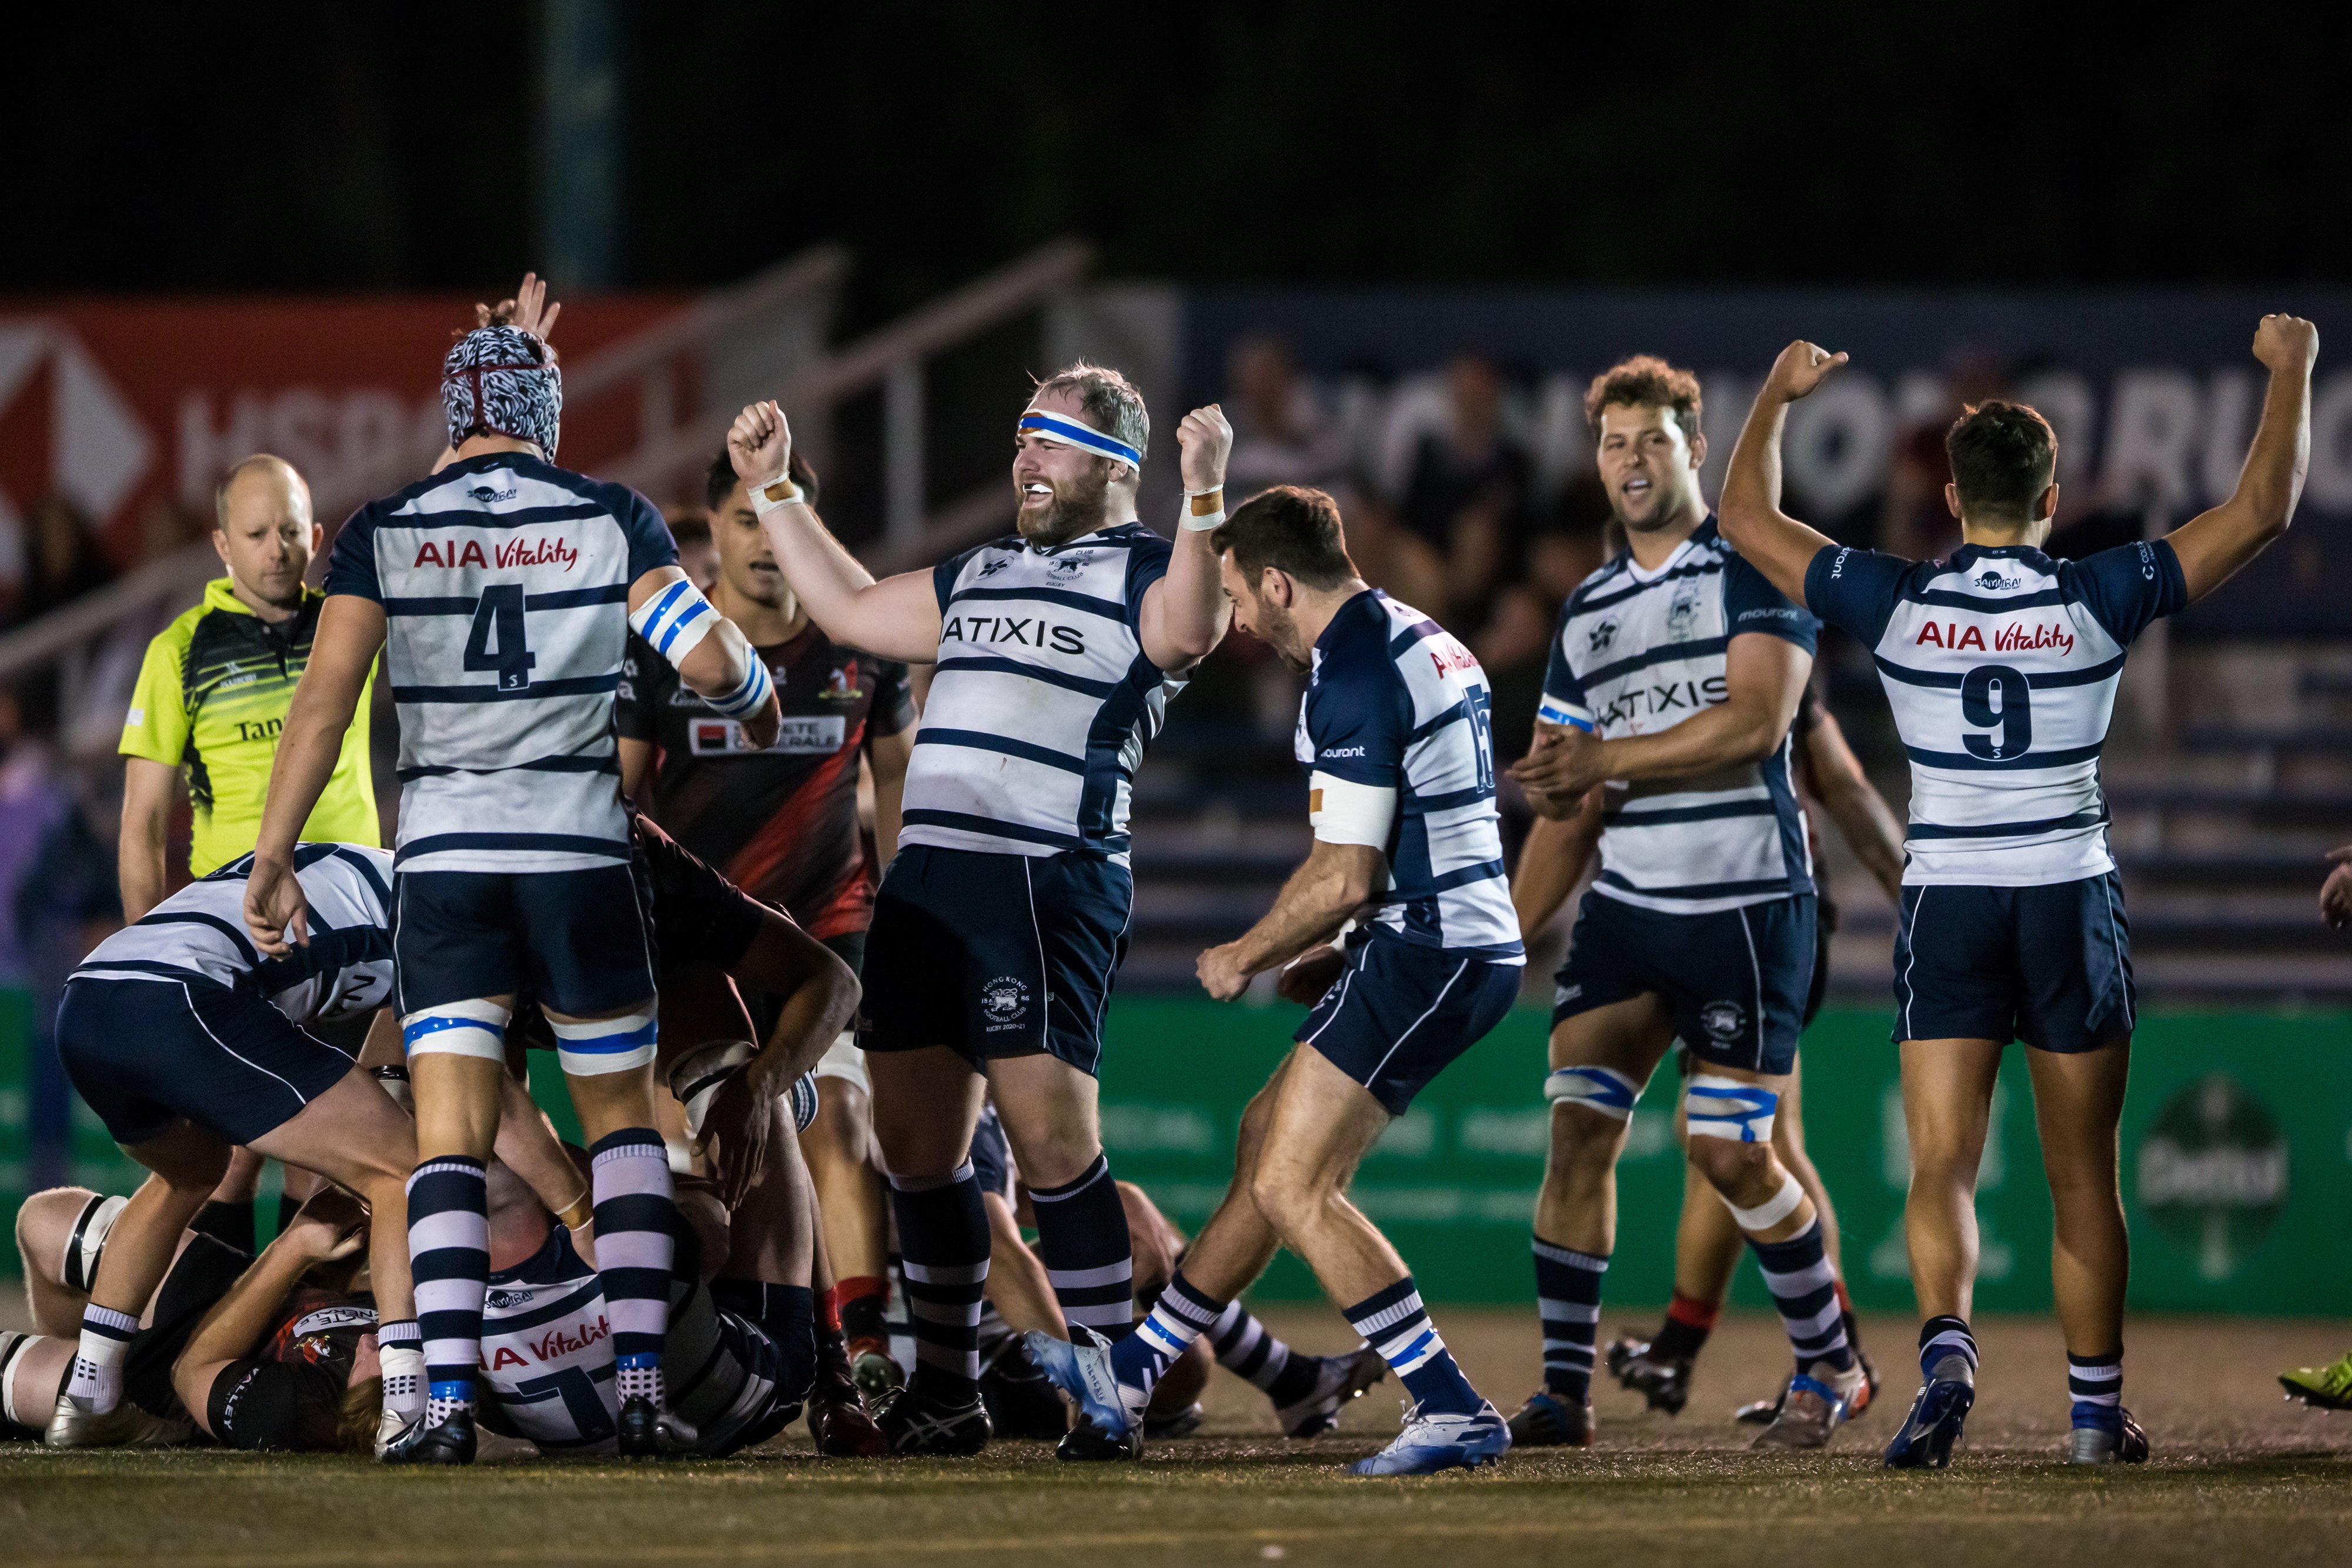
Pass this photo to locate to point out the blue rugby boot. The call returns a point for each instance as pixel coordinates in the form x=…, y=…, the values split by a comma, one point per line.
x=1110, y=1413
x=1431, y=1442
x=1936, y=1419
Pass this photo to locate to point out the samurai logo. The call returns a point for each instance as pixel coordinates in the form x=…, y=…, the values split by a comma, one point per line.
x=1992, y=582
x=1004, y=1001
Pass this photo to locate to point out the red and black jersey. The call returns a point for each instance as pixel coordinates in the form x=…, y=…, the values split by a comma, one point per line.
x=288, y=1393
x=782, y=824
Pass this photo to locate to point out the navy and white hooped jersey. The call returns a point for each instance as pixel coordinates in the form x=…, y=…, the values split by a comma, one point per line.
x=1043, y=700
x=505, y=586
x=1639, y=651
x=199, y=935
x=2001, y=666
x=1395, y=701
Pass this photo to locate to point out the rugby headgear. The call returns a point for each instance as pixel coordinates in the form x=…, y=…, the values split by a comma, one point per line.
x=502, y=381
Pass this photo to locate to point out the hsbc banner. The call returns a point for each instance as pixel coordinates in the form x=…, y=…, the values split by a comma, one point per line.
x=132, y=410
x=2153, y=393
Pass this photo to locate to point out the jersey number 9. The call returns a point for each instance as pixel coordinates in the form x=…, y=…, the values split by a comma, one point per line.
x=1997, y=698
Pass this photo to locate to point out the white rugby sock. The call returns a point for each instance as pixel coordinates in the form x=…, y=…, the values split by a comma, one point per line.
x=96, y=1387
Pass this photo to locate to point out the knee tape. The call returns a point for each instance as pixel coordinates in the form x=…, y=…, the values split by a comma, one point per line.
x=606, y=1045
x=457, y=1028
x=1601, y=1089
x=1773, y=1210
x=802, y=1094
x=14, y=1344
x=696, y=1078
x=1719, y=1107
x=79, y=1265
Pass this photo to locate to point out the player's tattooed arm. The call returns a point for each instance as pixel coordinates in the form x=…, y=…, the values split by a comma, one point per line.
x=1333, y=883
x=2212, y=545
x=1185, y=613
x=1749, y=514
x=343, y=650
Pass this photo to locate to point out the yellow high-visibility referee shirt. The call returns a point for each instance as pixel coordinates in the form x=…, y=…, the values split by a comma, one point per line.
x=213, y=693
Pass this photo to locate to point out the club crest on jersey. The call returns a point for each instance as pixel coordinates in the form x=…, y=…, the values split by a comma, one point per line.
x=840, y=683
x=1682, y=615
x=1723, y=1020
x=1004, y=1001
x=1601, y=637
x=1069, y=565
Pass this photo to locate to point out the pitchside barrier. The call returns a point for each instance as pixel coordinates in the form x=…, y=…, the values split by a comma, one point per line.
x=2237, y=1156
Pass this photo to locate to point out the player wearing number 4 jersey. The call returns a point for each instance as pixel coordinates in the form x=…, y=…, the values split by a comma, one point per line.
x=2001, y=664
x=503, y=589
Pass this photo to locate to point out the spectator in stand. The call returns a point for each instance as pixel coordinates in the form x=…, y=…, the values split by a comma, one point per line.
x=63, y=563
x=1466, y=495
x=1279, y=437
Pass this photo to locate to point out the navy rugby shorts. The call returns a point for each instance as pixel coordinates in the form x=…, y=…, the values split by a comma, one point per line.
x=2049, y=966
x=994, y=955
x=581, y=942
x=1736, y=980
x=1400, y=1013
x=144, y=1054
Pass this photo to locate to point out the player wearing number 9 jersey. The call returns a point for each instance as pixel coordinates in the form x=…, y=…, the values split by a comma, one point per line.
x=2001, y=664
x=503, y=590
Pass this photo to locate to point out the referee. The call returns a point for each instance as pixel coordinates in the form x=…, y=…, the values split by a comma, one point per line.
x=212, y=692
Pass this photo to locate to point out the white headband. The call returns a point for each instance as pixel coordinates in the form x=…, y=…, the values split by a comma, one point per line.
x=1068, y=431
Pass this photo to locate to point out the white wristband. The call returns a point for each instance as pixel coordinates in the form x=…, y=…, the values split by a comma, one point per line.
x=763, y=502
x=1202, y=524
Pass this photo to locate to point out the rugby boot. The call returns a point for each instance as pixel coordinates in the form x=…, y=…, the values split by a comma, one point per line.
x=914, y=1423
x=1761, y=1412
x=1087, y=1444
x=2325, y=1387
x=2127, y=1445
x=1936, y=1419
x=1812, y=1407
x=837, y=1419
x=1175, y=1423
x=1662, y=1381
x=1547, y=1421
x=448, y=1442
x=124, y=1427
x=871, y=1365
x=649, y=1432
x=1431, y=1442
x=1019, y=1397
x=1338, y=1379
x=1110, y=1413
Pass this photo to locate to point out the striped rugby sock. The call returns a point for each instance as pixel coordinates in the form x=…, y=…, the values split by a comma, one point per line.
x=1081, y=1240
x=2096, y=1385
x=1940, y=1337
x=1248, y=1348
x=1804, y=1287
x=1180, y=1316
x=1398, y=1326
x=1568, y=1301
x=96, y=1385
x=629, y=1171
x=449, y=1252
x=943, y=1261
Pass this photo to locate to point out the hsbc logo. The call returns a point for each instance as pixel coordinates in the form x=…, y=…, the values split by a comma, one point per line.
x=98, y=450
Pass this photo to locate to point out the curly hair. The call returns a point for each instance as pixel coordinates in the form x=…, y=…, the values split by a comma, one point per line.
x=1644, y=380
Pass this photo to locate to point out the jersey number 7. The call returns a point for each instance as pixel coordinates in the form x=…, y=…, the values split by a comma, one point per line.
x=498, y=641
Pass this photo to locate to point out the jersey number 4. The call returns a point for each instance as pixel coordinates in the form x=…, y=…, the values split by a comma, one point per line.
x=1997, y=698
x=498, y=641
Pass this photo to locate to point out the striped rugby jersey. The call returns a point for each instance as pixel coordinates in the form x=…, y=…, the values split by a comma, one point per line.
x=1396, y=703
x=2000, y=665
x=198, y=935
x=1043, y=700
x=505, y=587
x=1636, y=654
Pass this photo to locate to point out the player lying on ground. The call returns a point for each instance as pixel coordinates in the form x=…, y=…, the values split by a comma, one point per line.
x=1400, y=793
x=187, y=1043
x=503, y=590
x=1057, y=652
x=1675, y=677
x=2001, y=665
x=2328, y=1388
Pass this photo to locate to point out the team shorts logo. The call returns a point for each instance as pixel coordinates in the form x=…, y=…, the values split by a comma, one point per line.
x=1724, y=1021
x=1004, y=1001
x=1599, y=639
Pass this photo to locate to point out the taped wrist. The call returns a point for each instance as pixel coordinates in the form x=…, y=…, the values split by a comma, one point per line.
x=1601, y=1089
x=774, y=496
x=1717, y=1107
x=675, y=621
x=1344, y=813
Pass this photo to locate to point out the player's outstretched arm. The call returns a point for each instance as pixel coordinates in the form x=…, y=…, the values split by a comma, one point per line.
x=2213, y=545
x=898, y=618
x=820, y=995
x=1185, y=613
x=1552, y=862
x=1764, y=680
x=1334, y=881
x=331, y=1224
x=717, y=661
x=1749, y=514
x=350, y=635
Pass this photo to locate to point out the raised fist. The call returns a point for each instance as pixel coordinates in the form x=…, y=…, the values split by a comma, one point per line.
x=1801, y=368
x=760, y=444
x=1203, y=443
x=2286, y=343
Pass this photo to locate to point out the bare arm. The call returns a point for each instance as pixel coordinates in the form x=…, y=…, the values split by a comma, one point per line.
x=1185, y=613
x=1764, y=679
x=898, y=618
x=889, y=755
x=527, y=1146
x=331, y=1225
x=1552, y=862
x=636, y=768
x=1863, y=819
x=1749, y=514
x=718, y=664
x=1331, y=884
x=820, y=993
x=2212, y=545
x=146, y=809
x=350, y=635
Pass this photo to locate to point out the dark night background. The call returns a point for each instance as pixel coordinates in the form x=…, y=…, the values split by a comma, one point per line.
x=337, y=147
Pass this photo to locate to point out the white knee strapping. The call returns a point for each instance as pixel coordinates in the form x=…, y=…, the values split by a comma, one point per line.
x=1601, y=1089
x=1773, y=1210
x=476, y=1028
x=696, y=1079
x=1719, y=1107
x=14, y=1344
x=604, y=1045
x=79, y=1265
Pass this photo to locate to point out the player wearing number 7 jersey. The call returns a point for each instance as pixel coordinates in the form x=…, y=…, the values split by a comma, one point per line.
x=2001, y=665
x=502, y=589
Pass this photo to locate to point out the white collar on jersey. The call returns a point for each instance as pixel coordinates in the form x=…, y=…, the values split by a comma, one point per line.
x=1634, y=567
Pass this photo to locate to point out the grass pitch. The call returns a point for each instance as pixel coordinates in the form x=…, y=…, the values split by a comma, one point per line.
x=2239, y=1477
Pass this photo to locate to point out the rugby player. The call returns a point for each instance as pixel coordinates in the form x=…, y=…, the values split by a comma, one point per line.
x=1001, y=923
x=187, y=1041
x=783, y=823
x=1400, y=793
x=2001, y=665
x=1675, y=677
x=502, y=589
x=2328, y=1388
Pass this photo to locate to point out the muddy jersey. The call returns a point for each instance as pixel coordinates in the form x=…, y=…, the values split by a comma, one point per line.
x=780, y=823
x=289, y=1394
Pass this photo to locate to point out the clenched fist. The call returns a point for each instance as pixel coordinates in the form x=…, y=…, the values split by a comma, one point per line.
x=760, y=444
x=1801, y=368
x=2287, y=343
x=1203, y=443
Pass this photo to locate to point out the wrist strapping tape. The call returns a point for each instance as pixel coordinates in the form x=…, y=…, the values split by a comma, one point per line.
x=675, y=621
x=749, y=697
x=1201, y=523
x=775, y=495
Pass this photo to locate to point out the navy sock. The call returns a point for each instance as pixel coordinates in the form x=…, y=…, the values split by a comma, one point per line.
x=1943, y=1336
x=449, y=1250
x=1247, y=1348
x=1081, y=1240
x=227, y=1222
x=1568, y=1301
x=1804, y=1287
x=1180, y=1315
x=1398, y=1326
x=943, y=1260
x=2096, y=1385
